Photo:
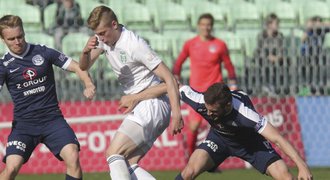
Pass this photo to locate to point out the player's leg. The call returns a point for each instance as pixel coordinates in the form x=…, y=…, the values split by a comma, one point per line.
x=135, y=170
x=120, y=147
x=130, y=143
x=194, y=121
x=141, y=129
x=262, y=156
x=70, y=155
x=62, y=142
x=207, y=157
x=21, y=142
x=13, y=165
x=279, y=170
x=199, y=162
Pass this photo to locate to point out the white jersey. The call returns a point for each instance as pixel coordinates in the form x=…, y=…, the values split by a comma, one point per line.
x=132, y=60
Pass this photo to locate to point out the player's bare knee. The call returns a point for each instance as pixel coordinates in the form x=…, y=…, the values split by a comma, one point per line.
x=116, y=151
x=279, y=170
x=283, y=175
x=73, y=160
x=11, y=171
x=71, y=157
x=111, y=151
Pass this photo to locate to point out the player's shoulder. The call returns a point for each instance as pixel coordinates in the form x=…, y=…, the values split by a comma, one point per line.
x=192, y=40
x=129, y=39
x=44, y=50
x=6, y=59
x=2, y=60
x=6, y=52
x=190, y=93
x=185, y=88
x=241, y=97
x=219, y=41
x=128, y=35
x=239, y=94
x=41, y=47
x=5, y=56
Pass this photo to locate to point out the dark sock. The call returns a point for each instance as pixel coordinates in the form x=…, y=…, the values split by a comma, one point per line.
x=179, y=177
x=68, y=177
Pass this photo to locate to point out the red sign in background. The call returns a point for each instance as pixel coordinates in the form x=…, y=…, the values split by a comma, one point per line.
x=96, y=122
x=283, y=114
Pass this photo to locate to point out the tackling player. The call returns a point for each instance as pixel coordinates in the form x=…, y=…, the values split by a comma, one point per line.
x=137, y=67
x=207, y=55
x=236, y=130
x=27, y=71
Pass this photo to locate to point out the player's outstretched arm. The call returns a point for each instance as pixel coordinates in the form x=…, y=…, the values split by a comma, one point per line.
x=173, y=92
x=131, y=100
x=89, y=54
x=274, y=136
x=89, y=91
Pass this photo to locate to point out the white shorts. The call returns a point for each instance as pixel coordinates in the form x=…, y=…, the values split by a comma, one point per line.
x=153, y=117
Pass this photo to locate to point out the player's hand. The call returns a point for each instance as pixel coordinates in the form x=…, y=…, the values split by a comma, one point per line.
x=177, y=79
x=89, y=91
x=128, y=102
x=232, y=84
x=177, y=124
x=91, y=44
x=304, y=174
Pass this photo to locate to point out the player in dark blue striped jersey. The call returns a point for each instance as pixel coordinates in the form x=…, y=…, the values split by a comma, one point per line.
x=27, y=71
x=236, y=130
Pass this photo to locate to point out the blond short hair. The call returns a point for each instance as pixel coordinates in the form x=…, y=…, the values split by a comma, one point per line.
x=10, y=21
x=98, y=14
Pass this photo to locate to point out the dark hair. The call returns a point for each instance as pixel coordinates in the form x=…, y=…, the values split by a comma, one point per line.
x=316, y=18
x=218, y=93
x=270, y=18
x=206, y=16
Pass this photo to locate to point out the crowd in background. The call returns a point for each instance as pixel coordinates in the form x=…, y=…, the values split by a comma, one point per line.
x=272, y=70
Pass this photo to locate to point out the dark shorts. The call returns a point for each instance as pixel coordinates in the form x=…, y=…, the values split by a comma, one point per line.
x=257, y=151
x=25, y=136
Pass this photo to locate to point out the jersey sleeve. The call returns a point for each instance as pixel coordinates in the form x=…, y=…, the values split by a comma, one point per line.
x=192, y=98
x=181, y=59
x=227, y=62
x=248, y=117
x=57, y=58
x=143, y=53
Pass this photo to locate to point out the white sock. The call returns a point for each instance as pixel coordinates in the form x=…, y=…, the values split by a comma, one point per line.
x=118, y=167
x=138, y=173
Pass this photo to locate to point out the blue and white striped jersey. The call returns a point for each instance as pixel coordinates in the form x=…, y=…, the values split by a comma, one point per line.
x=30, y=80
x=242, y=121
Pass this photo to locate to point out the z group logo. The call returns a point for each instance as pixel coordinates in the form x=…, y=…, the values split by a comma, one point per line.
x=29, y=73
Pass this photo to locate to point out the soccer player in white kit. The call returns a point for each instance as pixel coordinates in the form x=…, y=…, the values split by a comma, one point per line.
x=137, y=67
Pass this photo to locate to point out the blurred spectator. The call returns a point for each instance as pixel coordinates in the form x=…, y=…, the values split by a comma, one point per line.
x=313, y=36
x=68, y=19
x=270, y=51
x=41, y=3
x=207, y=54
x=312, y=56
x=270, y=41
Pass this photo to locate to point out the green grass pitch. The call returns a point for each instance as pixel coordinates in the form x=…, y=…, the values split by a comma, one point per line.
x=246, y=174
